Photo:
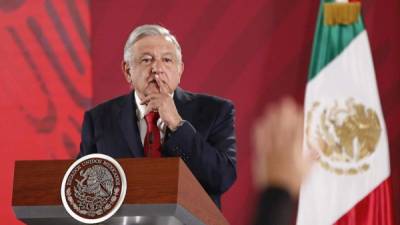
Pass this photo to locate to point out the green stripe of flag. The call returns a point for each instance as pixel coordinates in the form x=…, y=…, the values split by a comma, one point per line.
x=329, y=41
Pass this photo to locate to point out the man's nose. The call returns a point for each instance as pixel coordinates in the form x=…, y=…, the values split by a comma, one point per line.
x=156, y=67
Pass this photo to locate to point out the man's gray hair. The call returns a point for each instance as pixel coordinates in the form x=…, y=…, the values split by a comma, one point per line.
x=149, y=30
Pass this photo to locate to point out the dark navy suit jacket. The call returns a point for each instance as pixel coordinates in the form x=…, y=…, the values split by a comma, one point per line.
x=206, y=141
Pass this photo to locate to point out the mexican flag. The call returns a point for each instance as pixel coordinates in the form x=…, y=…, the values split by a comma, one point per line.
x=344, y=123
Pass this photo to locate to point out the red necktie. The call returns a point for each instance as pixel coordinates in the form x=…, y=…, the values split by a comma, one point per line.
x=152, y=140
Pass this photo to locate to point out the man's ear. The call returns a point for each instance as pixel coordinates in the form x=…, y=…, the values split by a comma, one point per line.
x=126, y=70
x=181, y=68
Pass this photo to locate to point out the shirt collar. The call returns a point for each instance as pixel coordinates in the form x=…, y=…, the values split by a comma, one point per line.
x=141, y=109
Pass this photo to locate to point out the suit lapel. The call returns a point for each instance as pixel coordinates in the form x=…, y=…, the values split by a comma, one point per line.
x=128, y=120
x=180, y=99
x=129, y=128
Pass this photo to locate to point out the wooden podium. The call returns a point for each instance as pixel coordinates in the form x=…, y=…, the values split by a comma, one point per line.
x=159, y=191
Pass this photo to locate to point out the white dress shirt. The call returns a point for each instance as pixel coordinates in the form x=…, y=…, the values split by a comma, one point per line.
x=141, y=122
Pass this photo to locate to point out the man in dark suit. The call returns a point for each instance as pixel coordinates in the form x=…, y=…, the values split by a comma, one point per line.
x=159, y=119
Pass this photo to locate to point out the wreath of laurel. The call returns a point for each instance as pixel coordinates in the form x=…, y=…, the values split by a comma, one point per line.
x=90, y=206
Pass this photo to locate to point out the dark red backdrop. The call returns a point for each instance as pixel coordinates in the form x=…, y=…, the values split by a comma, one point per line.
x=252, y=52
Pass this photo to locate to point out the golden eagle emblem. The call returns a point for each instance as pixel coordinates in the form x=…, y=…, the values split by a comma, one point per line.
x=345, y=136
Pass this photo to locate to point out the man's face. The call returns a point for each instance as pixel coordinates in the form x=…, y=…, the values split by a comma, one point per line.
x=153, y=55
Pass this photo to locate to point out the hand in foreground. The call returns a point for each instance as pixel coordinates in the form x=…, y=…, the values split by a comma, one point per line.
x=163, y=104
x=278, y=137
